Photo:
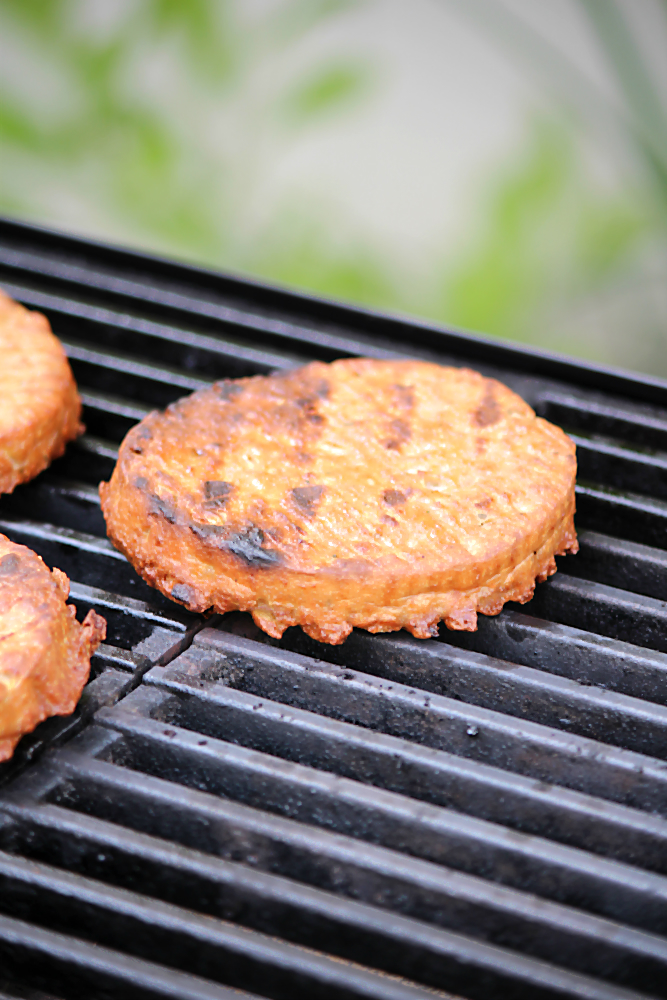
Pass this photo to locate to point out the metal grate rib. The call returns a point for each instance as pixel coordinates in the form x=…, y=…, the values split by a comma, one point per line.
x=226, y=815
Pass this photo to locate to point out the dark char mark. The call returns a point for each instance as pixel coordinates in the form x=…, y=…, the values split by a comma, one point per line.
x=405, y=395
x=156, y=505
x=181, y=592
x=9, y=564
x=308, y=405
x=247, y=545
x=209, y=531
x=227, y=389
x=306, y=497
x=394, y=497
x=141, y=434
x=217, y=489
x=401, y=432
x=488, y=411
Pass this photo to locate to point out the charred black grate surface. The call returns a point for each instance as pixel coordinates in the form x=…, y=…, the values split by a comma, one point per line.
x=225, y=815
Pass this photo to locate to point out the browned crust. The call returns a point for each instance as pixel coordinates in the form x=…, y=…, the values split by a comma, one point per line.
x=40, y=408
x=381, y=495
x=44, y=651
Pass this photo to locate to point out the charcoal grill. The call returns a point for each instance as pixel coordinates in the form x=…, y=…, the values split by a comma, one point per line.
x=225, y=815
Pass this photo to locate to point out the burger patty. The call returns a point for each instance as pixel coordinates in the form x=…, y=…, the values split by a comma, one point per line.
x=376, y=494
x=44, y=651
x=39, y=403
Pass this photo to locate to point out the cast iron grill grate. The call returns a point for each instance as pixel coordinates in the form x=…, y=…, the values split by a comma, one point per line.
x=227, y=815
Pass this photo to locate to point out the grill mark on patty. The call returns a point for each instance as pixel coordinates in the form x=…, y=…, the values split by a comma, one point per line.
x=307, y=497
x=291, y=411
x=400, y=431
x=162, y=508
x=227, y=389
x=308, y=404
x=9, y=564
x=405, y=396
x=488, y=412
x=394, y=497
x=207, y=531
x=247, y=545
x=216, y=492
x=181, y=592
x=141, y=436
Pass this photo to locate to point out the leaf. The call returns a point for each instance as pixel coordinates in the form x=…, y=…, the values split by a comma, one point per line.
x=566, y=80
x=17, y=129
x=545, y=236
x=45, y=18
x=328, y=90
x=209, y=32
x=641, y=92
x=648, y=116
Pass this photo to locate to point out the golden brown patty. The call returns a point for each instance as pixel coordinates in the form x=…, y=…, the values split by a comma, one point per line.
x=44, y=652
x=378, y=494
x=39, y=404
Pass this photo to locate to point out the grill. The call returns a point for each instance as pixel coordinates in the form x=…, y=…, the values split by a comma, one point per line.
x=227, y=816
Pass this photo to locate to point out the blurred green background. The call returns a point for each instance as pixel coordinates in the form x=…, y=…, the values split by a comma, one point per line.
x=496, y=165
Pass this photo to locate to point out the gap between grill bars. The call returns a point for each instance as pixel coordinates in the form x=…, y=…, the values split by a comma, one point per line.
x=482, y=815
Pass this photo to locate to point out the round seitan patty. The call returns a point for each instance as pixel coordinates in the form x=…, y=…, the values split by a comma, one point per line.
x=376, y=494
x=44, y=651
x=40, y=407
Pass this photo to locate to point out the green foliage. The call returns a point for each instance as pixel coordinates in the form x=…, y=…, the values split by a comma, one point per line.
x=298, y=251
x=156, y=129
x=149, y=163
x=329, y=89
x=551, y=240
x=546, y=235
x=646, y=115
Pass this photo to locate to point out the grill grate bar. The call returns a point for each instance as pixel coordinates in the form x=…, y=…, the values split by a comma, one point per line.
x=58, y=500
x=49, y=960
x=175, y=290
x=387, y=818
x=560, y=649
x=185, y=347
x=152, y=384
x=617, y=421
x=464, y=729
x=464, y=812
x=620, y=467
x=110, y=917
x=475, y=679
x=394, y=710
x=616, y=562
x=183, y=306
x=214, y=885
x=596, y=607
x=622, y=514
x=307, y=916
